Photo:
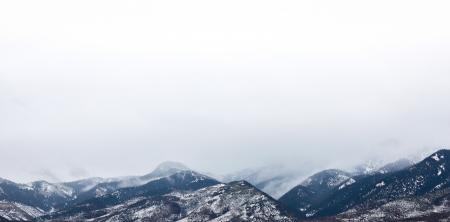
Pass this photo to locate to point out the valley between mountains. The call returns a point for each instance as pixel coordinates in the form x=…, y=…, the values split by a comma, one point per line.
x=399, y=191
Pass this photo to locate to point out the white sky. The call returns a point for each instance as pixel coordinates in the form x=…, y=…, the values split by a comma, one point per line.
x=107, y=88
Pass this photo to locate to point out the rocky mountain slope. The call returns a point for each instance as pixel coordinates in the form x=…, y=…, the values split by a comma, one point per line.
x=315, y=189
x=95, y=187
x=12, y=211
x=395, y=192
x=318, y=187
x=236, y=201
x=41, y=195
x=45, y=197
x=181, y=181
x=431, y=205
x=374, y=190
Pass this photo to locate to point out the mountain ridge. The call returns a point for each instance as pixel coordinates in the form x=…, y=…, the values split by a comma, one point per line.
x=372, y=190
x=174, y=192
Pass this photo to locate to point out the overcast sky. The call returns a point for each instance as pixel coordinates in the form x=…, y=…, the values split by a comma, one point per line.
x=108, y=88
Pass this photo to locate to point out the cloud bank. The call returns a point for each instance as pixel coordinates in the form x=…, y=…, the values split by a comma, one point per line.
x=114, y=88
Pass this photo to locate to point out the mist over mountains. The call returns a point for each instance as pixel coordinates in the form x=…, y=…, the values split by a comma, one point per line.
x=401, y=190
x=263, y=110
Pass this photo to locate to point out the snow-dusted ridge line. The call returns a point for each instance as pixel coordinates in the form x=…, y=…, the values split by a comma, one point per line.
x=220, y=201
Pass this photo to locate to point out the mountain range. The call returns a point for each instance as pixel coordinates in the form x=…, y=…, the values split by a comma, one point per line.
x=397, y=191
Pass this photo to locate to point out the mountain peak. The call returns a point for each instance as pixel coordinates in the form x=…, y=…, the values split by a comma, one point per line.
x=442, y=153
x=438, y=156
x=329, y=178
x=165, y=169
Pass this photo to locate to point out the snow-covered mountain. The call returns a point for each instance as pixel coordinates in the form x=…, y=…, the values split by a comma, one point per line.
x=96, y=187
x=236, y=201
x=375, y=190
x=397, y=191
x=181, y=181
x=50, y=189
x=45, y=197
x=426, y=176
x=40, y=194
x=165, y=169
x=315, y=189
x=434, y=206
x=326, y=180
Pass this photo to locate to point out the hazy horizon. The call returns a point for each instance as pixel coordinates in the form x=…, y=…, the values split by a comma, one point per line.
x=110, y=89
x=272, y=170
